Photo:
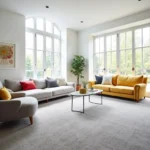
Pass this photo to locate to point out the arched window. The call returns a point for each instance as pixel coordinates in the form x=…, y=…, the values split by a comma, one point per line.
x=43, y=50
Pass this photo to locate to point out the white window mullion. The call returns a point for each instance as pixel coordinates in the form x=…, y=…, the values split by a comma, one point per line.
x=105, y=55
x=133, y=52
x=118, y=53
x=35, y=54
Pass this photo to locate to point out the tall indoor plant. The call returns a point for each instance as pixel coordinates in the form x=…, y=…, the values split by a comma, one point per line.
x=77, y=68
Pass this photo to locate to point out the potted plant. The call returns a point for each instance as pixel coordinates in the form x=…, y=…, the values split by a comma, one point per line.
x=77, y=69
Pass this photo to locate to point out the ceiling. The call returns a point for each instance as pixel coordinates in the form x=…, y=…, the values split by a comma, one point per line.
x=69, y=13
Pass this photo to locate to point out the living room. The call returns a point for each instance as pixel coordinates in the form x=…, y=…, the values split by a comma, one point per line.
x=57, y=58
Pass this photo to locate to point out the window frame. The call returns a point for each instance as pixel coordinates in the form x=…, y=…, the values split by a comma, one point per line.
x=45, y=34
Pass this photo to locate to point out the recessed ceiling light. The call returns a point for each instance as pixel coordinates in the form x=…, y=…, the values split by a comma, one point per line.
x=81, y=21
x=47, y=6
x=139, y=0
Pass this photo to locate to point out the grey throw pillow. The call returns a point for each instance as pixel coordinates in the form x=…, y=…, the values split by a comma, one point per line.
x=13, y=85
x=40, y=84
x=51, y=83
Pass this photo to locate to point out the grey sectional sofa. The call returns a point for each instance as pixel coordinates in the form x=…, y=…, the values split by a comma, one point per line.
x=42, y=92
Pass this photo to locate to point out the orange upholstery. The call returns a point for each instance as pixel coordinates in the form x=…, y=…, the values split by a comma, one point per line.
x=122, y=90
x=114, y=80
x=129, y=80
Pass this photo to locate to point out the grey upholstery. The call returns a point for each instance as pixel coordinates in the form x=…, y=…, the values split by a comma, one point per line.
x=18, y=108
x=40, y=84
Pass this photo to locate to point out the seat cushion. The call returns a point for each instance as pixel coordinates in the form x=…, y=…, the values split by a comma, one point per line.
x=60, y=90
x=38, y=93
x=129, y=80
x=122, y=89
x=102, y=87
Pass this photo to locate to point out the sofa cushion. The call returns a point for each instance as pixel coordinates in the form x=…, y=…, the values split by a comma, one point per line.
x=98, y=79
x=114, y=80
x=1, y=85
x=61, y=81
x=60, y=90
x=122, y=90
x=107, y=80
x=38, y=93
x=129, y=80
x=14, y=85
x=4, y=94
x=51, y=83
x=28, y=85
x=40, y=84
x=102, y=87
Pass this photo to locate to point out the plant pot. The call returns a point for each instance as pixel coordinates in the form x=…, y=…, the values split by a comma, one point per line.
x=78, y=86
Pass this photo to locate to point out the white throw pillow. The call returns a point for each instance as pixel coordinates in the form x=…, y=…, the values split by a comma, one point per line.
x=61, y=81
x=107, y=80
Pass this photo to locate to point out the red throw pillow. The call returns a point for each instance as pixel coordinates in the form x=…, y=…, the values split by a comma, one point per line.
x=27, y=85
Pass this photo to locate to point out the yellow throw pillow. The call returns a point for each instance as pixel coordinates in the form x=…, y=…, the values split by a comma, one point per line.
x=4, y=94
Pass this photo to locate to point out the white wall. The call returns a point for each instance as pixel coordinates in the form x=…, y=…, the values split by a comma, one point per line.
x=12, y=30
x=84, y=36
x=71, y=51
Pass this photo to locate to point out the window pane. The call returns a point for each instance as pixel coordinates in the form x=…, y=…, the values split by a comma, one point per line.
x=138, y=38
x=56, y=60
x=30, y=23
x=101, y=44
x=40, y=24
x=108, y=43
x=128, y=40
x=56, y=45
x=122, y=40
x=97, y=45
x=39, y=64
x=114, y=42
x=101, y=65
x=29, y=40
x=29, y=74
x=48, y=43
x=39, y=42
x=113, y=63
x=146, y=36
x=48, y=26
x=29, y=59
x=97, y=61
x=122, y=62
x=138, y=57
x=40, y=74
x=128, y=62
x=48, y=59
x=56, y=73
x=108, y=60
x=146, y=58
x=56, y=31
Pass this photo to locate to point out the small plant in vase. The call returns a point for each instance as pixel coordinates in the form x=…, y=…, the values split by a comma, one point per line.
x=84, y=84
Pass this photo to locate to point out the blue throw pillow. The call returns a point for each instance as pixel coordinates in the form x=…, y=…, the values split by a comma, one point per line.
x=51, y=83
x=98, y=79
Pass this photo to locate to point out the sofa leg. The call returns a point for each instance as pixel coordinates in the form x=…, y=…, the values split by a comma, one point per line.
x=31, y=120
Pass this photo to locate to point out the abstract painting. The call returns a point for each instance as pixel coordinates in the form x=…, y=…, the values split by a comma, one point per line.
x=7, y=56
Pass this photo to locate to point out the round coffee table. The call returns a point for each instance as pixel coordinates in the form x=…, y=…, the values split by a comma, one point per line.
x=89, y=93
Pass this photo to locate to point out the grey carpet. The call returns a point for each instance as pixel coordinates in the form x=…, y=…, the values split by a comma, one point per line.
x=118, y=124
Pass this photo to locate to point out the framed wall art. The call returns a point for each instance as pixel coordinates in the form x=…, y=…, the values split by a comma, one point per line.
x=7, y=56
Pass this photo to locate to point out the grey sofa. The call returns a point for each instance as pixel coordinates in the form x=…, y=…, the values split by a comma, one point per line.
x=42, y=92
x=18, y=107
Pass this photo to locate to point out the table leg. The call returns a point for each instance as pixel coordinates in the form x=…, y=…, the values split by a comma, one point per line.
x=97, y=103
x=76, y=110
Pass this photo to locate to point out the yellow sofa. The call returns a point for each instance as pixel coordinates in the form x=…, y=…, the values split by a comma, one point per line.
x=132, y=87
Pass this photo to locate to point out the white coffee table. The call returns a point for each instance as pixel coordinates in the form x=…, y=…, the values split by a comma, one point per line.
x=89, y=93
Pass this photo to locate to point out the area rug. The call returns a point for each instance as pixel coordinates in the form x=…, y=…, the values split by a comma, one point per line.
x=118, y=124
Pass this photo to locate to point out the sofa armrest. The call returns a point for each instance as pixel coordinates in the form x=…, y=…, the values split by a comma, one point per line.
x=8, y=107
x=17, y=94
x=71, y=84
x=139, y=91
x=90, y=83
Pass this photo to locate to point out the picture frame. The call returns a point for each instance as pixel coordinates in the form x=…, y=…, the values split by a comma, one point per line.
x=7, y=55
